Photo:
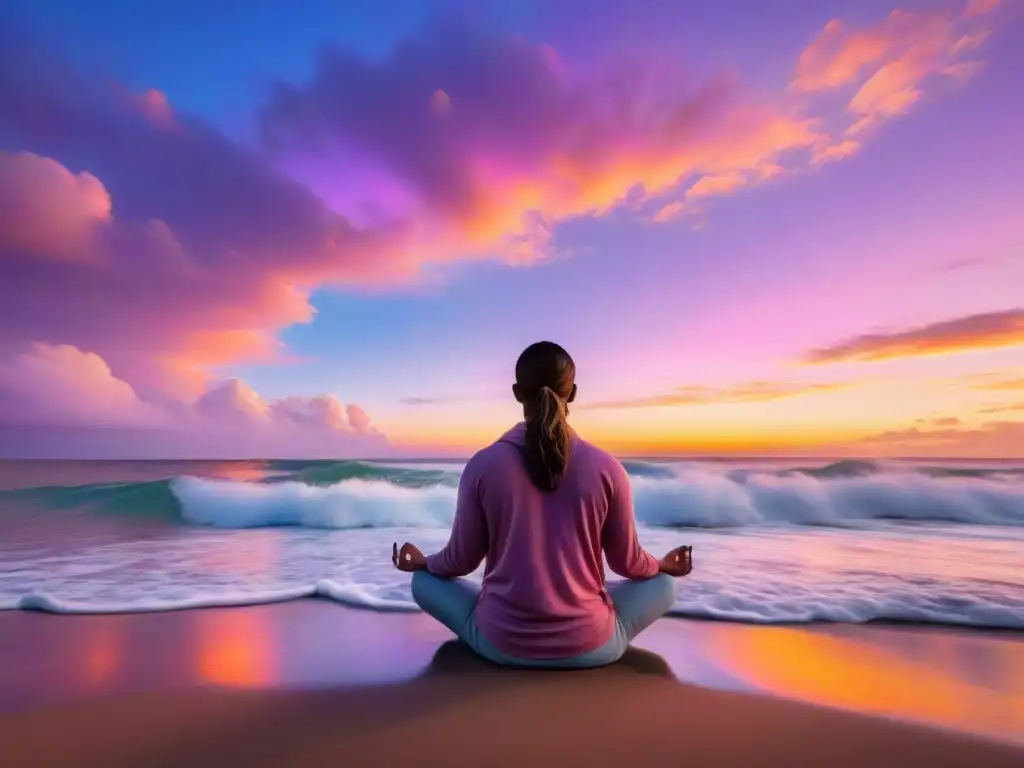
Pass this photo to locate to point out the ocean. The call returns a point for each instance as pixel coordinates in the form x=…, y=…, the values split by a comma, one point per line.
x=773, y=541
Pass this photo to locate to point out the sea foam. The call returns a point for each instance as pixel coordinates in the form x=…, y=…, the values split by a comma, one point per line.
x=781, y=576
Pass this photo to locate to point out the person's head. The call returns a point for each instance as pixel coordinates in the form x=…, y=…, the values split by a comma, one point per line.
x=545, y=385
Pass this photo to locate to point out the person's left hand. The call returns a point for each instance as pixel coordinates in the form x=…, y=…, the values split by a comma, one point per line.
x=409, y=558
x=678, y=562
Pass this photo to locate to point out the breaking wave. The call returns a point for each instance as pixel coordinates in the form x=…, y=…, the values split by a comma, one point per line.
x=353, y=494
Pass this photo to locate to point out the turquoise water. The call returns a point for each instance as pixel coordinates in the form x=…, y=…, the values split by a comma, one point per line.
x=773, y=541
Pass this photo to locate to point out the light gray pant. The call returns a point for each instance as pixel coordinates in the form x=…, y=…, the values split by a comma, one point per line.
x=638, y=604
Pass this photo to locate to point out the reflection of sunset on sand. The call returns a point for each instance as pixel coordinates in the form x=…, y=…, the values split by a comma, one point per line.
x=953, y=679
x=100, y=655
x=236, y=648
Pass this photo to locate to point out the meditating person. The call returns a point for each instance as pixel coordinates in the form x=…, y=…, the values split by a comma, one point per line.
x=542, y=505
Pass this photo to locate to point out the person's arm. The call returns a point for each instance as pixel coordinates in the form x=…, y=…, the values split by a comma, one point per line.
x=467, y=544
x=618, y=536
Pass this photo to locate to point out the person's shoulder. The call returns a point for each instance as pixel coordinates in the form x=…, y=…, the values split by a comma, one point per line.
x=599, y=459
x=486, y=458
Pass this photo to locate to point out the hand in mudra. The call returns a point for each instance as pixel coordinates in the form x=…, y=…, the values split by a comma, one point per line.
x=678, y=562
x=408, y=558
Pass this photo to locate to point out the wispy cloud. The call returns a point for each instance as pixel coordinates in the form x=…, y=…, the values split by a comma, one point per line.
x=956, y=265
x=424, y=400
x=1006, y=384
x=941, y=421
x=1004, y=408
x=447, y=399
x=750, y=392
x=1000, y=439
x=990, y=330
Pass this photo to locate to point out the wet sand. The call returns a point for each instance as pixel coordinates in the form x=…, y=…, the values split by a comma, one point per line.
x=313, y=683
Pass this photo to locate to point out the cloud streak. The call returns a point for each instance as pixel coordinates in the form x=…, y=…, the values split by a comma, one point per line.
x=750, y=392
x=1006, y=384
x=990, y=330
x=1006, y=408
x=995, y=440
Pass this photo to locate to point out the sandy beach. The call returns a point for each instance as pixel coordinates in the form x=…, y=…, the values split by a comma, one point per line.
x=312, y=683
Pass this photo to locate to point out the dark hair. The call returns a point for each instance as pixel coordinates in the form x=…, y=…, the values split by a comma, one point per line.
x=545, y=385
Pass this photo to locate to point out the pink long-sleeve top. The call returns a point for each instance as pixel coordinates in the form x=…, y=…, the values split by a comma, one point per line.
x=543, y=593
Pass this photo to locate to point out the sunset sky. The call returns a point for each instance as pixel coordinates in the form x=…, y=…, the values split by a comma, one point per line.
x=327, y=228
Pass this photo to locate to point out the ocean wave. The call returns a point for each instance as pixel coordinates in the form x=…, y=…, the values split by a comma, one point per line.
x=352, y=494
x=345, y=505
x=698, y=497
x=687, y=496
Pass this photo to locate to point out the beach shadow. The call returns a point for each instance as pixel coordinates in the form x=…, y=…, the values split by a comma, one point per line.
x=456, y=658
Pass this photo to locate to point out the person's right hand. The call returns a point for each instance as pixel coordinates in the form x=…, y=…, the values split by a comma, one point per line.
x=408, y=558
x=678, y=562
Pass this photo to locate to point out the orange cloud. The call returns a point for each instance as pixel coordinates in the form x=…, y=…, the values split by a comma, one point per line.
x=831, y=152
x=990, y=330
x=838, y=56
x=1008, y=408
x=941, y=421
x=1010, y=384
x=889, y=63
x=751, y=392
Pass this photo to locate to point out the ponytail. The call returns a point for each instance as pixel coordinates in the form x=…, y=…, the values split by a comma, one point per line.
x=548, y=440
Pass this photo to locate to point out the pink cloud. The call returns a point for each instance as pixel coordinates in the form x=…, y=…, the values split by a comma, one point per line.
x=49, y=211
x=191, y=251
x=61, y=387
x=210, y=255
x=980, y=7
x=522, y=143
x=358, y=418
x=140, y=233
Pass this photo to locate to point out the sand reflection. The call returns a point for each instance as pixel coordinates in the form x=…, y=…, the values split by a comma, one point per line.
x=101, y=655
x=236, y=648
x=914, y=675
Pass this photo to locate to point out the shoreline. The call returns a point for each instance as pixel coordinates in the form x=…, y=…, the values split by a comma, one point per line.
x=312, y=594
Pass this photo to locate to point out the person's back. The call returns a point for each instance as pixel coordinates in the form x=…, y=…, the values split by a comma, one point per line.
x=544, y=590
x=544, y=508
